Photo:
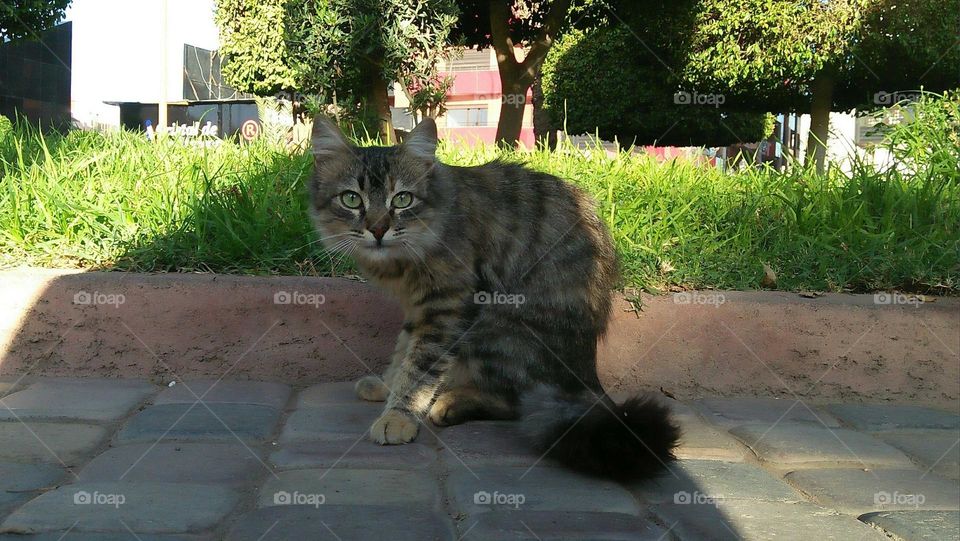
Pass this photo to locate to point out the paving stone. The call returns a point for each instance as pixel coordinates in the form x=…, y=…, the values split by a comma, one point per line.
x=753, y=520
x=495, y=488
x=917, y=525
x=876, y=417
x=361, y=453
x=260, y=393
x=488, y=442
x=937, y=450
x=71, y=535
x=334, y=421
x=730, y=412
x=340, y=523
x=855, y=491
x=541, y=525
x=701, y=441
x=802, y=444
x=350, y=487
x=341, y=392
x=48, y=442
x=195, y=422
x=704, y=481
x=141, y=507
x=678, y=409
x=7, y=386
x=19, y=482
x=201, y=463
x=81, y=399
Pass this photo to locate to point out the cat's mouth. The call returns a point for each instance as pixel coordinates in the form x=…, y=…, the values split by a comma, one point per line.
x=380, y=248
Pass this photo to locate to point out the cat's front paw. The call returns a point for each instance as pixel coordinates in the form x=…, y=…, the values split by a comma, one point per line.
x=394, y=427
x=372, y=388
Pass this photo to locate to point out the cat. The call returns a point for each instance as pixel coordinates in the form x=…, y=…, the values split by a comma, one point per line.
x=505, y=277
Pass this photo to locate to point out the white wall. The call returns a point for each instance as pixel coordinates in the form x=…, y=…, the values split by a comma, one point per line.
x=842, y=147
x=117, y=52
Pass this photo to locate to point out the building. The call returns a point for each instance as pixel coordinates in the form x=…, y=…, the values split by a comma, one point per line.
x=473, y=103
x=35, y=77
x=119, y=54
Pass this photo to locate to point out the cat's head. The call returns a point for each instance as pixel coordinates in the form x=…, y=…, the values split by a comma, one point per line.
x=377, y=203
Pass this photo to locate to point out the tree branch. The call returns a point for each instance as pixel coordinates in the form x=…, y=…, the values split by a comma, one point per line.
x=500, y=35
x=541, y=45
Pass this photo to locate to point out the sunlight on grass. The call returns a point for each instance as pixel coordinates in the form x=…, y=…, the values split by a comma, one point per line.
x=116, y=201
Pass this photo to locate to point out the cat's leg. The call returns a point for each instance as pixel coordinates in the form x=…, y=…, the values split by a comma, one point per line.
x=419, y=374
x=462, y=404
x=375, y=388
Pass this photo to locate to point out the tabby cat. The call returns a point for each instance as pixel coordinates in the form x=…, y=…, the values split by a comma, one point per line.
x=504, y=275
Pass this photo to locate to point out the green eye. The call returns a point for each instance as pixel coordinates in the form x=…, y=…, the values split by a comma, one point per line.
x=402, y=200
x=351, y=200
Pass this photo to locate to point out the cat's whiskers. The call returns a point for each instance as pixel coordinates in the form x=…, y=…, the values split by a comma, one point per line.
x=413, y=251
x=344, y=255
x=314, y=241
x=338, y=248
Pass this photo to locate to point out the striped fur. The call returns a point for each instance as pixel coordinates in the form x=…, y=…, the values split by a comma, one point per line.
x=504, y=275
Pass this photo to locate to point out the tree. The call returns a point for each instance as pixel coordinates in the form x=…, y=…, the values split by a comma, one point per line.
x=601, y=81
x=27, y=18
x=347, y=52
x=812, y=56
x=428, y=97
x=504, y=25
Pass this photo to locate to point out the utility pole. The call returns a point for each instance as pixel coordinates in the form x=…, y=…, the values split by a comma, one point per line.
x=162, y=106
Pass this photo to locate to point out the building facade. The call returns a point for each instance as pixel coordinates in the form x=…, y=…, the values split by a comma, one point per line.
x=35, y=78
x=473, y=103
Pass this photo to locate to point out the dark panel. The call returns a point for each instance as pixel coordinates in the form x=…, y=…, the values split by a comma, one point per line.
x=35, y=77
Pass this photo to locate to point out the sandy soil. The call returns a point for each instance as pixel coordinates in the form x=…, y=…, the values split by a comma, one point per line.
x=163, y=327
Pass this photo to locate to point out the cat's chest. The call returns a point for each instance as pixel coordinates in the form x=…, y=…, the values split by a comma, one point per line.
x=401, y=283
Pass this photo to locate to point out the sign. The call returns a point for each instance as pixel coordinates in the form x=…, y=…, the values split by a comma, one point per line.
x=250, y=130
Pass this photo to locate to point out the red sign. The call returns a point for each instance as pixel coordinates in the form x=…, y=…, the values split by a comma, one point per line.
x=250, y=130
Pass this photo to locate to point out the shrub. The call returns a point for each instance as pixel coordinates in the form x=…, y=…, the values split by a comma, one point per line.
x=599, y=82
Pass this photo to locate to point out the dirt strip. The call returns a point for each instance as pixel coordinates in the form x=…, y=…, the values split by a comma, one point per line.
x=307, y=330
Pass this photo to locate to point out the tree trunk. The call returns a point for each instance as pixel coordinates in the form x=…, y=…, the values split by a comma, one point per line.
x=512, y=103
x=380, y=106
x=820, y=108
x=516, y=77
x=375, y=109
x=543, y=131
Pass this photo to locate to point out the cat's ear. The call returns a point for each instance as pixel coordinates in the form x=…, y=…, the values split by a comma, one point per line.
x=327, y=139
x=422, y=141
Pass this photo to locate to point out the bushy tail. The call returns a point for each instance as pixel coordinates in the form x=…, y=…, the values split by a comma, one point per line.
x=629, y=441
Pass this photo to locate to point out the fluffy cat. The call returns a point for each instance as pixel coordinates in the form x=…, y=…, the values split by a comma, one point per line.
x=504, y=275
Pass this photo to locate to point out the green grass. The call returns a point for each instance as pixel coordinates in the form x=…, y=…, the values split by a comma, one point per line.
x=115, y=201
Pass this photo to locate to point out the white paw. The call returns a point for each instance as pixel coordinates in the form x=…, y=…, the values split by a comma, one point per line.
x=372, y=388
x=394, y=427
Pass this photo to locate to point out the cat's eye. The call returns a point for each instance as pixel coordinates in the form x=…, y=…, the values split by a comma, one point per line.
x=351, y=200
x=402, y=200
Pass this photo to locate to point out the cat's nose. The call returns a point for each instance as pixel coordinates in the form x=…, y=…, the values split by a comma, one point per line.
x=378, y=230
